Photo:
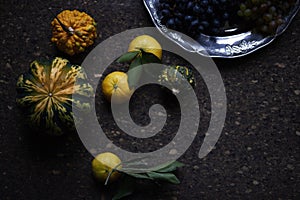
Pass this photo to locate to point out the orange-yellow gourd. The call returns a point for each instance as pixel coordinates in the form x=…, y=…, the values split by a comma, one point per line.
x=73, y=32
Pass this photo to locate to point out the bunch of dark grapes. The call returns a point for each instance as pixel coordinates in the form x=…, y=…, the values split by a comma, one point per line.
x=211, y=17
x=265, y=15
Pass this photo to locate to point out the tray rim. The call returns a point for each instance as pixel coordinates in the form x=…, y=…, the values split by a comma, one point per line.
x=239, y=47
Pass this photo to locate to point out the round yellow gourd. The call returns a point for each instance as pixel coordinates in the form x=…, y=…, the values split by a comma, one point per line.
x=73, y=31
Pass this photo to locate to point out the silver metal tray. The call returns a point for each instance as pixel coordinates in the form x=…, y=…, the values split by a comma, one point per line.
x=232, y=46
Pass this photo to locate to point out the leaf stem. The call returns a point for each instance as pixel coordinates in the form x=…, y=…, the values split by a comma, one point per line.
x=110, y=173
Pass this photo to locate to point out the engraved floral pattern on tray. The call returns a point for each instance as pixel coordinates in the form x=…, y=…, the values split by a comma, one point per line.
x=232, y=46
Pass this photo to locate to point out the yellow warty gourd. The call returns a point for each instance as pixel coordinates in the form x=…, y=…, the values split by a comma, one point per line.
x=73, y=31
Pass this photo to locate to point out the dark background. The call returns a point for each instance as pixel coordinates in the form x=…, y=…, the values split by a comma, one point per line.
x=257, y=155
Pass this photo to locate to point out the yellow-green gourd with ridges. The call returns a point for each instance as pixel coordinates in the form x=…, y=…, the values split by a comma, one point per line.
x=176, y=74
x=48, y=90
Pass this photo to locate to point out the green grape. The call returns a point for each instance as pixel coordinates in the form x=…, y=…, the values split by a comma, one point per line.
x=265, y=16
x=243, y=7
x=272, y=10
x=247, y=12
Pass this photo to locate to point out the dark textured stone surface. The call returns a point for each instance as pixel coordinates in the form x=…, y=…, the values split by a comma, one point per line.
x=257, y=155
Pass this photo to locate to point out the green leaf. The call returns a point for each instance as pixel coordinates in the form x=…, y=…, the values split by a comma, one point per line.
x=134, y=75
x=136, y=62
x=169, y=177
x=149, y=58
x=133, y=164
x=169, y=167
x=128, y=57
x=162, y=166
x=135, y=161
x=125, y=188
x=139, y=175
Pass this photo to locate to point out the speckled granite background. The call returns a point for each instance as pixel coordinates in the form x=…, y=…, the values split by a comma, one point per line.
x=257, y=156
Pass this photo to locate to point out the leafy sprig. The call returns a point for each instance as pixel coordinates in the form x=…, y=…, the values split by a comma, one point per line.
x=136, y=59
x=160, y=173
